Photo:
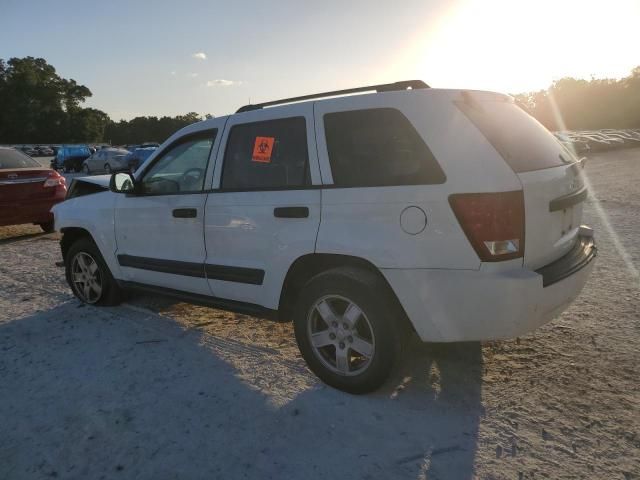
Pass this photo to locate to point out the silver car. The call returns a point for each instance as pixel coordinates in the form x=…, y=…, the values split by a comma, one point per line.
x=106, y=160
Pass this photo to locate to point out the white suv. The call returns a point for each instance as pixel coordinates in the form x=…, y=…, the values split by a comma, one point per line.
x=452, y=213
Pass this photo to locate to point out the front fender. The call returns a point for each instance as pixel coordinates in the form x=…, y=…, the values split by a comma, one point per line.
x=95, y=214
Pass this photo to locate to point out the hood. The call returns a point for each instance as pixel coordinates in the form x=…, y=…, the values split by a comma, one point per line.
x=102, y=180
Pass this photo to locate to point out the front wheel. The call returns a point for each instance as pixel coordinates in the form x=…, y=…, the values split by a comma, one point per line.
x=85, y=169
x=88, y=274
x=347, y=329
x=107, y=168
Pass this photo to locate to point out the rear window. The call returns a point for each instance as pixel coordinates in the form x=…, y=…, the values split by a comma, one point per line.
x=378, y=147
x=15, y=159
x=523, y=142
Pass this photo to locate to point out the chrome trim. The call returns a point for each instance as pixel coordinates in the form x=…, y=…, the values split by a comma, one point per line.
x=23, y=180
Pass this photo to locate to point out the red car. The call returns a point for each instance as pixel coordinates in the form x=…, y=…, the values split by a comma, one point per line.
x=28, y=190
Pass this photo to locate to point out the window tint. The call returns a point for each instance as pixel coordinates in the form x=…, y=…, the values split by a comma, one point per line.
x=10, y=158
x=523, y=142
x=378, y=147
x=269, y=154
x=182, y=168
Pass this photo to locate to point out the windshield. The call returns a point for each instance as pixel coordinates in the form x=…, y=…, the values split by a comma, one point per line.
x=13, y=159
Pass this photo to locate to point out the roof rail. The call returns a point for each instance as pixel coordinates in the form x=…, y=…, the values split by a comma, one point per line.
x=385, y=87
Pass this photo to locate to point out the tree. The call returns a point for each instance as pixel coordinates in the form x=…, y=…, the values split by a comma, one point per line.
x=577, y=104
x=39, y=106
x=147, y=129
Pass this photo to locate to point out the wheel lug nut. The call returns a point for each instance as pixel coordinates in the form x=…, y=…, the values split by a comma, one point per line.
x=332, y=336
x=334, y=324
x=345, y=326
x=341, y=345
x=350, y=339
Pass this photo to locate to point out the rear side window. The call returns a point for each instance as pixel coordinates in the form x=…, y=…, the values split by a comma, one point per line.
x=378, y=147
x=267, y=155
x=523, y=142
x=13, y=159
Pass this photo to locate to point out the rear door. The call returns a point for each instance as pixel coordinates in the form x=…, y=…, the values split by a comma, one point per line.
x=264, y=211
x=551, y=177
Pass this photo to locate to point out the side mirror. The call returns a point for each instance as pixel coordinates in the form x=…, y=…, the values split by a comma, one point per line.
x=122, y=183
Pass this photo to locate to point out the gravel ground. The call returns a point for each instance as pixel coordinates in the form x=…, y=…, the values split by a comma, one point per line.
x=160, y=390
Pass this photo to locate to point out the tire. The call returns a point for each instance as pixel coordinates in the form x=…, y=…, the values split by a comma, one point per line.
x=378, y=325
x=107, y=168
x=85, y=169
x=85, y=248
x=47, y=227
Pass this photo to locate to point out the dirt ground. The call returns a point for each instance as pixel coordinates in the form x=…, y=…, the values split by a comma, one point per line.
x=160, y=390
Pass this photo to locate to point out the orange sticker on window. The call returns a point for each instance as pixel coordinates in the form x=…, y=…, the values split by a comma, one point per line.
x=262, y=149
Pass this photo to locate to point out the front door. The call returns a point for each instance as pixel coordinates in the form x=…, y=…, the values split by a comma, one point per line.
x=159, y=230
x=265, y=211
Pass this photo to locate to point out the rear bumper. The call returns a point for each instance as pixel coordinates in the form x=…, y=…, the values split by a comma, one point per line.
x=29, y=211
x=471, y=305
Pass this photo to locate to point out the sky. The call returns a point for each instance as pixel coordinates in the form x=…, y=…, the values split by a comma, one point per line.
x=173, y=57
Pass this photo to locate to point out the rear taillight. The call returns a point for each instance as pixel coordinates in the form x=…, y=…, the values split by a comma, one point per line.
x=493, y=223
x=54, y=180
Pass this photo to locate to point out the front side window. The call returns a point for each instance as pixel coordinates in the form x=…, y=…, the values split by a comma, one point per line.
x=181, y=168
x=378, y=147
x=267, y=155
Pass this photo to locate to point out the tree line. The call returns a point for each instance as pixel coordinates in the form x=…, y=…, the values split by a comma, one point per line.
x=576, y=104
x=39, y=106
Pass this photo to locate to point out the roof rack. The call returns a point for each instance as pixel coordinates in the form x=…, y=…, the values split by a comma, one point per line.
x=385, y=87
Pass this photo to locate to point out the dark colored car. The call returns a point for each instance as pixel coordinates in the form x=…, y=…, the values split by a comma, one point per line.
x=44, y=151
x=32, y=152
x=137, y=157
x=28, y=190
x=70, y=158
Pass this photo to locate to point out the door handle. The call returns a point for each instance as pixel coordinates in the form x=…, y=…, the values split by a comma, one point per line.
x=291, y=212
x=185, y=213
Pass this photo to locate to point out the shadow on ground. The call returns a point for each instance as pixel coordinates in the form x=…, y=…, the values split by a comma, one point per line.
x=106, y=393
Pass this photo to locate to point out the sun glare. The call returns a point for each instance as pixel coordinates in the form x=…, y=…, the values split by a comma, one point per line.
x=516, y=46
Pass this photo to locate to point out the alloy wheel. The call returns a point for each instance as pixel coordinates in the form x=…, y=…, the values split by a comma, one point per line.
x=86, y=277
x=340, y=335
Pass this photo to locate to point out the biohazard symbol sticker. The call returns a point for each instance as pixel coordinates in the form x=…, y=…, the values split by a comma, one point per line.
x=262, y=149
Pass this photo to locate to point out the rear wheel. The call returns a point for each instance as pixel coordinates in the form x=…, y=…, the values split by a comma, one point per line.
x=88, y=274
x=347, y=329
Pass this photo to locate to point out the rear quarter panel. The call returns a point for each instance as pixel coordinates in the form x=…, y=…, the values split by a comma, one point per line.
x=365, y=222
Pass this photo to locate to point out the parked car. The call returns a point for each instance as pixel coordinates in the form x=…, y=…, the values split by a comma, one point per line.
x=70, y=158
x=137, y=157
x=133, y=147
x=32, y=152
x=106, y=160
x=44, y=151
x=451, y=213
x=28, y=190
